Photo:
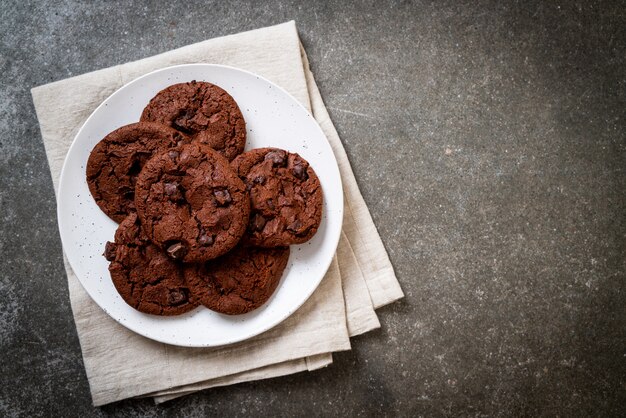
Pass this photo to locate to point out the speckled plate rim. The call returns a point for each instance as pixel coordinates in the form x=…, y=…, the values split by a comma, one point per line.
x=312, y=257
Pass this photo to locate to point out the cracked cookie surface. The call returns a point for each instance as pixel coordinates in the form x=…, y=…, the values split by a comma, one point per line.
x=239, y=281
x=145, y=277
x=203, y=111
x=115, y=163
x=191, y=203
x=285, y=196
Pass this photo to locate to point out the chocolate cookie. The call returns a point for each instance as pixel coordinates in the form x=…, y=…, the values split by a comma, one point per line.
x=116, y=160
x=191, y=203
x=285, y=195
x=203, y=111
x=239, y=281
x=145, y=277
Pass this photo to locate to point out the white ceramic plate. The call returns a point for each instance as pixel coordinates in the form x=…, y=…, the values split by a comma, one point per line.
x=273, y=118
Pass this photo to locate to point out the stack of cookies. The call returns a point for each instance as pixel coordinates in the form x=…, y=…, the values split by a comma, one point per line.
x=201, y=221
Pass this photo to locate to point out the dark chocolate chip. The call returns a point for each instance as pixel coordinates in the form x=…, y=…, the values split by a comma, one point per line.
x=182, y=121
x=170, y=189
x=223, y=197
x=135, y=167
x=300, y=172
x=270, y=204
x=139, y=160
x=176, y=297
x=206, y=239
x=176, y=250
x=109, y=251
x=129, y=194
x=295, y=226
x=260, y=180
x=278, y=157
x=258, y=222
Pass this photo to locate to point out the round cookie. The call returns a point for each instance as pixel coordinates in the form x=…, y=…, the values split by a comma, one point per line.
x=239, y=281
x=285, y=195
x=191, y=203
x=145, y=277
x=116, y=160
x=203, y=111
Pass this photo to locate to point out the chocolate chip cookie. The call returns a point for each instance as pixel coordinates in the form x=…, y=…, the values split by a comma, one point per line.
x=145, y=277
x=285, y=195
x=239, y=281
x=204, y=112
x=191, y=203
x=116, y=160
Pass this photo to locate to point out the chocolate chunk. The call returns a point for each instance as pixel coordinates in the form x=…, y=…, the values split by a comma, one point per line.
x=258, y=222
x=206, y=239
x=300, y=172
x=260, y=180
x=176, y=250
x=135, y=168
x=182, y=121
x=223, y=197
x=170, y=188
x=294, y=226
x=128, y=194
x=176, y=297
x=270, y=204
x=278, y=157
x=181, y=140
x=109, y=251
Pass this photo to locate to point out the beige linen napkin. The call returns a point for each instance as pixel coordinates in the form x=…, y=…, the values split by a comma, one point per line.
x=121, y=364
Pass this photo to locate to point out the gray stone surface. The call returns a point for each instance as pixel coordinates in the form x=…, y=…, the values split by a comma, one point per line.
x=489, y=142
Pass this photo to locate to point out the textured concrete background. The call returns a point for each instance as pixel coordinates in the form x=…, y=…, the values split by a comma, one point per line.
x=489, y=142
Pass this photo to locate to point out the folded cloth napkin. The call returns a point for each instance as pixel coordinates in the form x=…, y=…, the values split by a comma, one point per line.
x=121, y=364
